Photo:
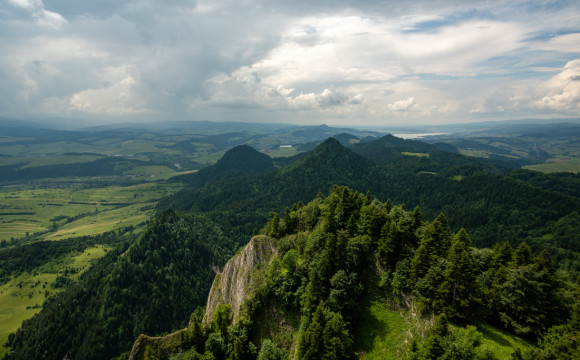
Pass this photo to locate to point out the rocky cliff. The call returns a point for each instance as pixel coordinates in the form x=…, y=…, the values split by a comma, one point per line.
x=234, y=284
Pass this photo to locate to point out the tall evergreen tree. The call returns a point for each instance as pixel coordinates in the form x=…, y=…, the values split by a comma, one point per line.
x=458, y=288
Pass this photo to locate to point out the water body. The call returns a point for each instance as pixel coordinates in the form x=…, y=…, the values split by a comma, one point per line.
x=416, y=135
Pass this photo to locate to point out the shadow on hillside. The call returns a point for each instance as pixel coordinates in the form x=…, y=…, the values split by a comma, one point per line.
x=493, y=334
x=369, y=328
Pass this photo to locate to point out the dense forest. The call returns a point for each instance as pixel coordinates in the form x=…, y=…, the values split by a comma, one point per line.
x=505, y=253
x=335, y=253
x=145, y=286
x=492, y=203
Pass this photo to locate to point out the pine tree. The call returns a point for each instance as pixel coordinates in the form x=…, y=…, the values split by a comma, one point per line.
x=434, y=244
x=310, y=345
x=457, y=290
x=439, y=231
x=274, y=225
x=391, y=242
x=522, y=256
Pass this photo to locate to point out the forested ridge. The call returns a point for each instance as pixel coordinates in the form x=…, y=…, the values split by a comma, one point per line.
x=494, y=205
x=336, y=254
x=149, y=285
x=522, y=275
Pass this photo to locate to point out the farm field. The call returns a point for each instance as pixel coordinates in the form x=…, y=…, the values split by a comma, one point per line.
x=557, y=165
x=550, y=149
x=72, y=210
x=22, y=297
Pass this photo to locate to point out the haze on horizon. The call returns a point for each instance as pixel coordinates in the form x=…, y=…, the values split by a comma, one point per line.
x=337, y=62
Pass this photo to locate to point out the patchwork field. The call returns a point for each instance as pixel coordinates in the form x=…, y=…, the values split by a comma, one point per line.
x=73, y=210
x=546, y=152
x=557, y=165
x=22, y=297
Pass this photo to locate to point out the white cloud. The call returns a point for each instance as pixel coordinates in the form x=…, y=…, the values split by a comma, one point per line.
x=402, y=105
x=30, y=5
x=116, y=97
x=245, y=89
x=562, y=43
x=563, y=90
x=40, y=15
x=48, y=18
x=323, y=61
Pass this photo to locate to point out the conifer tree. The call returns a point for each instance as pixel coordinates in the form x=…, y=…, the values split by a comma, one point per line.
x=274, y=225
x=439, y=231
x=458, y=287
x=310, y=345
x=434, y=244
x=421, y=263
x=522, y=256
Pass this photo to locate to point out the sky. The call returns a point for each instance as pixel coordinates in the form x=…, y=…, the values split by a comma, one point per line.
x=337, y=62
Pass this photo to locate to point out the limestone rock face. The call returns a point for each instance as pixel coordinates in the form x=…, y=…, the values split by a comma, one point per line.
x=235, y=282
x=232, y=286
x=145, y=343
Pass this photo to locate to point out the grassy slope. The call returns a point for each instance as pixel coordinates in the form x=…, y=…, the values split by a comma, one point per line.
x=557, y=165
x=136, y=206
x=131, y=205
x=18, y=303
x=384, y=333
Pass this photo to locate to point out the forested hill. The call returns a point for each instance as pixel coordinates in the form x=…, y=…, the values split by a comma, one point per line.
x=345, y=277
x=391, y=150
x=240, y=160
x=492, y=205
x=152, y=284
x=146, y=286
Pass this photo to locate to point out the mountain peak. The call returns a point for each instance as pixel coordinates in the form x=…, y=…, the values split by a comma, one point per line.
x=330, y=157
x=329, y=144
x=239, y=160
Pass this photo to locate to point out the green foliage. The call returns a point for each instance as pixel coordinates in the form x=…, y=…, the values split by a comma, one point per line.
x=222, y=319
x=16, y=260
x=331, y=253
x=148, y=289
x=271, y=351
x=326, y=337
x=461, y=343
x=457, y=290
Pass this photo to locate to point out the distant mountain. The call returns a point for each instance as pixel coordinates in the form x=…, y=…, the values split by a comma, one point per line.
x=471, y=191
x=318, y=133
x=330, y=163
x=345, y=138
x=240, y=160
x=393, y=142
x=390, y=150
x=312, y=132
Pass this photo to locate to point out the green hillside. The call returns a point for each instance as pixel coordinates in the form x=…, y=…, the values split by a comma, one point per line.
x=372, y=277
x=349, y=276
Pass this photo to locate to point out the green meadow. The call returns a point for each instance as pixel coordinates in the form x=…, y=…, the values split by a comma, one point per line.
x=22, y=297
x=78, y=210
x=391, y=332
x=557, y=165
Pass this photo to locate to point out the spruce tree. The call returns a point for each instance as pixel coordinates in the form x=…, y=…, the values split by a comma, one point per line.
x=456, y=292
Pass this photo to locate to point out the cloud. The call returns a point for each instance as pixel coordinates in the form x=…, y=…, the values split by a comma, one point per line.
x=245, y=89
x=40, y=15
x=563, y=90
x=339, y=60
x=403, y=105
x=30, y=5
x=563, y=43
